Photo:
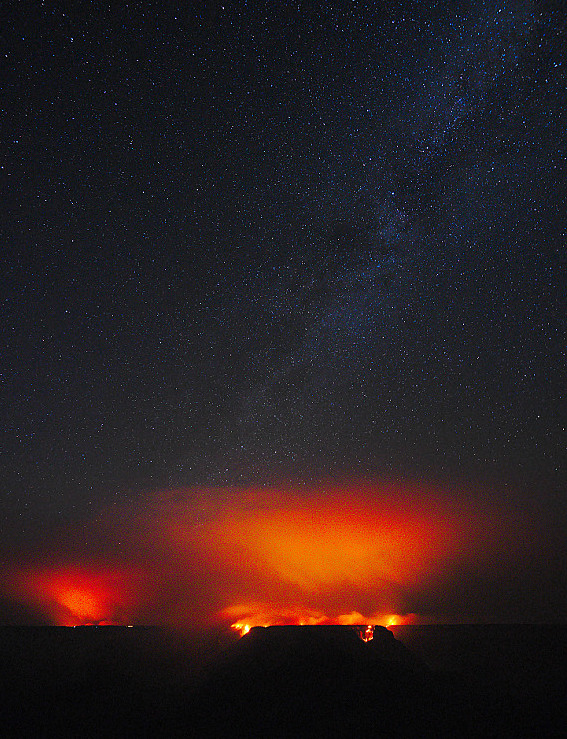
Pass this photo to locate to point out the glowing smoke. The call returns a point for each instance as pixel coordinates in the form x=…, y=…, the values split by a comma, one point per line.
x=350, y=554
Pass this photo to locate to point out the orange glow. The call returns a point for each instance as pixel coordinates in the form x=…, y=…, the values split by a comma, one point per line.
x=378, y=554
x=395, y=620
x=319, y=545
x=76, y=596
x=266, y=614
x=323, y=560
x=241, y=628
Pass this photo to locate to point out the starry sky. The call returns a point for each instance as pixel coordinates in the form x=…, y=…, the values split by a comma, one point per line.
x=256, y=244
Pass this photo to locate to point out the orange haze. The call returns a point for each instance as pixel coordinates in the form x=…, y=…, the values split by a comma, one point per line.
x=77, y=595
x=379, y=554
x=361, y=555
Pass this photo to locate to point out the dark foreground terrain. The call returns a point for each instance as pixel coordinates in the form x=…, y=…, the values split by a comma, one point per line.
x=441, y=681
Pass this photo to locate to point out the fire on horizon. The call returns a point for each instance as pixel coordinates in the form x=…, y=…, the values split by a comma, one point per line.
x=77, y=595
x=283, y=244
x=382, y=555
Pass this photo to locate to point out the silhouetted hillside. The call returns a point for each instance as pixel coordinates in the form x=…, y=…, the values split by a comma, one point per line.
x=318, y=681
x=499, y=680
x=456, y=681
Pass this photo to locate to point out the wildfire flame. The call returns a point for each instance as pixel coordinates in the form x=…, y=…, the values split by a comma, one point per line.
x=310, y=557
x=345, y=556
x=77, y=596
x=263, y=614
x=241, y=628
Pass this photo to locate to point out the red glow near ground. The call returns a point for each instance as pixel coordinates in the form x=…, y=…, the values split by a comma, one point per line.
x=265, y=614
x=77, y=596
x=346, y=555
x=322, y=561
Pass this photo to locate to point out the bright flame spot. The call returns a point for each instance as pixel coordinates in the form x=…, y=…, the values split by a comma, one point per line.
x=368, y=634
x=397, y=620
x=80, y=601
x=242, y=628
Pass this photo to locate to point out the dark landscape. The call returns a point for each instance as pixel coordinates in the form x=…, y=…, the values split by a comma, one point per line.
x=282, y=341
x=459, y=681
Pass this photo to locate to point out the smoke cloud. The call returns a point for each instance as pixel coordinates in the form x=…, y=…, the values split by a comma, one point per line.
x=352, y=553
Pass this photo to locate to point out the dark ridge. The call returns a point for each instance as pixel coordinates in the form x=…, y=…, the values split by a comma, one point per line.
x=318, y=681
x=284, y=681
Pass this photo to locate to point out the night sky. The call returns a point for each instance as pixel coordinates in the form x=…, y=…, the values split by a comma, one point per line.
x=282, y=244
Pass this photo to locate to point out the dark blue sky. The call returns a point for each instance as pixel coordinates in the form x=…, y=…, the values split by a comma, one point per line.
x=247, y=244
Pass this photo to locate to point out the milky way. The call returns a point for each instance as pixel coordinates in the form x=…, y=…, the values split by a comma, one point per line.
x=301, y=246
